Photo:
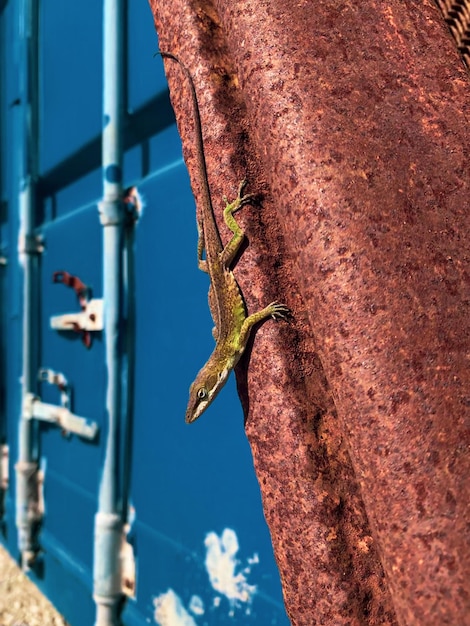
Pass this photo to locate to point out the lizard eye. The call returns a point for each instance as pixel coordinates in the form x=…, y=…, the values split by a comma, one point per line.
x=202, y=393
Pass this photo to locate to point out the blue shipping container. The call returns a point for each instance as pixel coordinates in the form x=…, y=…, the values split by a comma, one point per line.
x=141, y=504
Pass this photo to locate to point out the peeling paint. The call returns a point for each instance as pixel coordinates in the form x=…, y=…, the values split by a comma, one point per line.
x=227, y=576
x=222, y=564
x=170, y=611
x=196, y=605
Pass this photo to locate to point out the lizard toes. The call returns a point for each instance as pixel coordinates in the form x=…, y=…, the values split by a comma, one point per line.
x=279, y=311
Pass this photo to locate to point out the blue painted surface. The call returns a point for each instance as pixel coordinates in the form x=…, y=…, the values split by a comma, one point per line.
x=185, y=482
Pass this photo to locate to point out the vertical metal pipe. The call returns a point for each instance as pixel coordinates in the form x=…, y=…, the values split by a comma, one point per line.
x=109, y=518
x=27, y=465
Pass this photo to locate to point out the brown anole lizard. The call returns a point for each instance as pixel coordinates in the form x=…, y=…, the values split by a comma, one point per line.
x=232, y=324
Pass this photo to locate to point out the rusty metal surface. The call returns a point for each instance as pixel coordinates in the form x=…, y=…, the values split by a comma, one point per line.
x=351, y=120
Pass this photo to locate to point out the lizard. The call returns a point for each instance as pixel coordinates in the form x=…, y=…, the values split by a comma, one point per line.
x=232, y=324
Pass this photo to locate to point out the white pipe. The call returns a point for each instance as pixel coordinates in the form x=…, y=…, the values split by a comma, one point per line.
x=27, y=515
x=110, y=516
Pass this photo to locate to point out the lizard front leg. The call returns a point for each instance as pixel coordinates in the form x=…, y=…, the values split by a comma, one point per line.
x=274, y=310
x=235, y=242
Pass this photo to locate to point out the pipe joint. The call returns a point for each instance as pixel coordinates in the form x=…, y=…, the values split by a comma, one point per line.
x=109, y=522
x=27, y=508
x=107, y=566
x=112, y=212
x=28, y=407
x=106, y=611
x=26, y=469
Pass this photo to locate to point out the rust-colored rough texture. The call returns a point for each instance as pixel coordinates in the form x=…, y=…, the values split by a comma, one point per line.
x=351, y=121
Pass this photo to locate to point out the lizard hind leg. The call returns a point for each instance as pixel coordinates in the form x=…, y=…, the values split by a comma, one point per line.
x=201, y=246
x=234, y=244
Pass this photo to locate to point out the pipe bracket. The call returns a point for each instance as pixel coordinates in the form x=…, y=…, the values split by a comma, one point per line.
x=30, y=244
x=89, y=319
x=34, y=408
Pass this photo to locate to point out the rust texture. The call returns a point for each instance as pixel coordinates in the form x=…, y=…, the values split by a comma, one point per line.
x=350, y=121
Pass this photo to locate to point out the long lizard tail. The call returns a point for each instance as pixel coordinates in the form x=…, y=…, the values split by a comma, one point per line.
x=199, y=142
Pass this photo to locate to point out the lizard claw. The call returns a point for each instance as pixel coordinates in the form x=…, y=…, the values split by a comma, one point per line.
x=243, y=199
x=241, y=187
x=279, y=311
x=240, y=200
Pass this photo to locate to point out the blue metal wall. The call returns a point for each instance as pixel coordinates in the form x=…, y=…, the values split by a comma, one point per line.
x=194, y=504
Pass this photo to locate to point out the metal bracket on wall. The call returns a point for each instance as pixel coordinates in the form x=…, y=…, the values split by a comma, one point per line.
x=86, y=321
x=34, y=408
x=30, y=244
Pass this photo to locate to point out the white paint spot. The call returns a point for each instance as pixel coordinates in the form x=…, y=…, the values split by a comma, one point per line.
x=196, y=605
x=222, y=565
x=170, y=611
x=254, y=560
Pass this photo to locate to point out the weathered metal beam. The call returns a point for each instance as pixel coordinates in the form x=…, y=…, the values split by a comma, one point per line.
x=351, y=119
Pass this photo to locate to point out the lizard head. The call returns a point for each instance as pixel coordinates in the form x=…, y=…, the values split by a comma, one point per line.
x=204, y=389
